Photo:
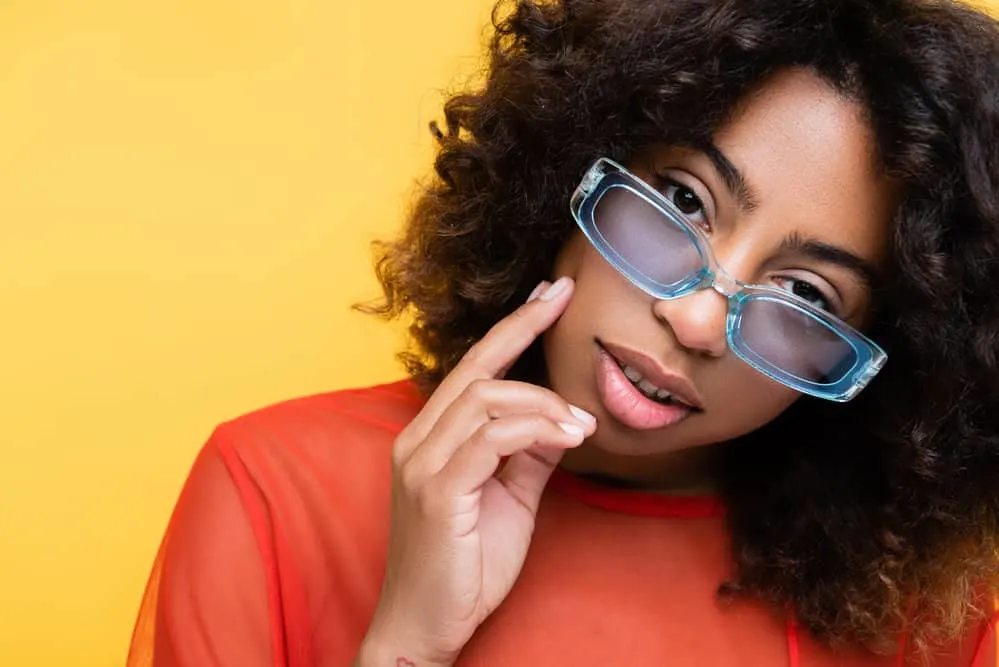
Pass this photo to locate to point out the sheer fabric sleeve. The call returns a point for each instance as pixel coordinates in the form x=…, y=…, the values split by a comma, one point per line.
x=986, y=653
x=211, y=598
x=977, y=648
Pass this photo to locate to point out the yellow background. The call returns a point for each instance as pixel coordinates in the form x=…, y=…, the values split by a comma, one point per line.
x=188, y=189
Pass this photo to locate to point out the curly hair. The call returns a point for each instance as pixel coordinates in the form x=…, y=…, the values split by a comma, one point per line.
x=867, y=520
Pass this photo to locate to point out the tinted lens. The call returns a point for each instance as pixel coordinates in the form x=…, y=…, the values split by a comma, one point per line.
x=794, y=341
x=646, y=238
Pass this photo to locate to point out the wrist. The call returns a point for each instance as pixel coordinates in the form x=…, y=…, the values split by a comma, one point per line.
x=379, y=650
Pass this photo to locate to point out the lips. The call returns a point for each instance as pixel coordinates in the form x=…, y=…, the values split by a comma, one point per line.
x=679, y=387
x=628, y=404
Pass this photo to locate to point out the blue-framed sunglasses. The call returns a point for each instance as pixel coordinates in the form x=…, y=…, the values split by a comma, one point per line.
x=785, y=337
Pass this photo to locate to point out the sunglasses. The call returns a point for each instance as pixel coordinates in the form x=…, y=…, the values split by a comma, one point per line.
x=656, y=247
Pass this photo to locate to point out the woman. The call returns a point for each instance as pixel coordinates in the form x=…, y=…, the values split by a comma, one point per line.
x=747, y=415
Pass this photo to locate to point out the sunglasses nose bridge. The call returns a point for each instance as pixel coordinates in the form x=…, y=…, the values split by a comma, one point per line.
x=724, y=283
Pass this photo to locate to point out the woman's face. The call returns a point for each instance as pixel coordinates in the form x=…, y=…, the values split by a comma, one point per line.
x=794, y=170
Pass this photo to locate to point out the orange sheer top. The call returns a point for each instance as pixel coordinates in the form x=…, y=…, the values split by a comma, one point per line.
x=275, y=553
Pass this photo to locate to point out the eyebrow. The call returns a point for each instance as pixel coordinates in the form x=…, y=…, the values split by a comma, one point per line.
x=737, y=185
x=733, y=179
x=795, y=243
x=830, y=254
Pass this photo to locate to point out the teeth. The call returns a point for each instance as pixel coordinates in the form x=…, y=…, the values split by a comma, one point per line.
x=646, y=387
x=632, y=374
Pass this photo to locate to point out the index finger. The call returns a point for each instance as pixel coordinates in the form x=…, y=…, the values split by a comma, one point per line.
x=491, y=356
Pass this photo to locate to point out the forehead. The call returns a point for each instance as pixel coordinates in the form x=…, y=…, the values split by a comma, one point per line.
x=808, y=153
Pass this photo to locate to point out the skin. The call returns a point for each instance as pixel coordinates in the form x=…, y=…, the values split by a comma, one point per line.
x=806, y=155
x=460, y=525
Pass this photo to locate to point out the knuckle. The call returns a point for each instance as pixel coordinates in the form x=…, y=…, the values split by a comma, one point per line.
x=398, y=459
x=478, y=390
x=525, y=321
x=473, y=357
x=540, y=396
x=520, y=315
x=400, y=448
x=552, y=398
x=410, y=480
x=491, y=432
x=543, y=427
x=539, y=420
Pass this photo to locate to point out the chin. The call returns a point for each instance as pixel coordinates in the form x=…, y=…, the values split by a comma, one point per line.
x=614, y=438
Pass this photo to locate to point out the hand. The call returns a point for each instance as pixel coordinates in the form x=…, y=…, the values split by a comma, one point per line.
x=462, y=522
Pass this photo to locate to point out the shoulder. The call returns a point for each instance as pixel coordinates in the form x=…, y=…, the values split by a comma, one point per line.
x=284, y=507
x=349, y=424
x=386, y=405
x=314, y=479
x=317, y=454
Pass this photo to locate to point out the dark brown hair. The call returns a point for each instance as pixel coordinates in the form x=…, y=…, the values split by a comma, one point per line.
x=866, y=519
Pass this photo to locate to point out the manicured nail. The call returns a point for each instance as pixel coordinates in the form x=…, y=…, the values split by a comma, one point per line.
x=571, y=429
x=557, y=288
x=582, y=415
x=537, y=290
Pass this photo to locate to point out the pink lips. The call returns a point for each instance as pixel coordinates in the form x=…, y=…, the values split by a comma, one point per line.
x=628, y=405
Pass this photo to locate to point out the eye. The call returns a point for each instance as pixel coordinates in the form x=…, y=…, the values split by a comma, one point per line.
x=807, y=291
x=686, y=201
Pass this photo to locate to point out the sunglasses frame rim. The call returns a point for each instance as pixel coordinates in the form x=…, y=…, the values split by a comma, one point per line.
x=599, y=179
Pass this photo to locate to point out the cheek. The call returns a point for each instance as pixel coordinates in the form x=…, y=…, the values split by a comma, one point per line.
x=570, y=257
x=566, y=341
x=752, y=398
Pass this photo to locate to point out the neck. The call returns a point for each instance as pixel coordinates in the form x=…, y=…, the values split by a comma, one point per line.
x=691, y=472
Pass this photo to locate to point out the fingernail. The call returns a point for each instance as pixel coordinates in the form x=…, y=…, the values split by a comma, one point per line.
x=557, y=288
x=582, y=415
x=571, y=429
x=537, y=290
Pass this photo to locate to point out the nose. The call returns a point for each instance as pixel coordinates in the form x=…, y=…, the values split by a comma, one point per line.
x=697, y=320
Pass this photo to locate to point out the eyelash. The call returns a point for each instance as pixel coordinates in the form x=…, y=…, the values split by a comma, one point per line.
x=828, y=303
x=666, y=184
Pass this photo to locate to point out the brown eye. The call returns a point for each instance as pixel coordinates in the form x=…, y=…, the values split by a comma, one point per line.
x=687, y=202
x=807, y=291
